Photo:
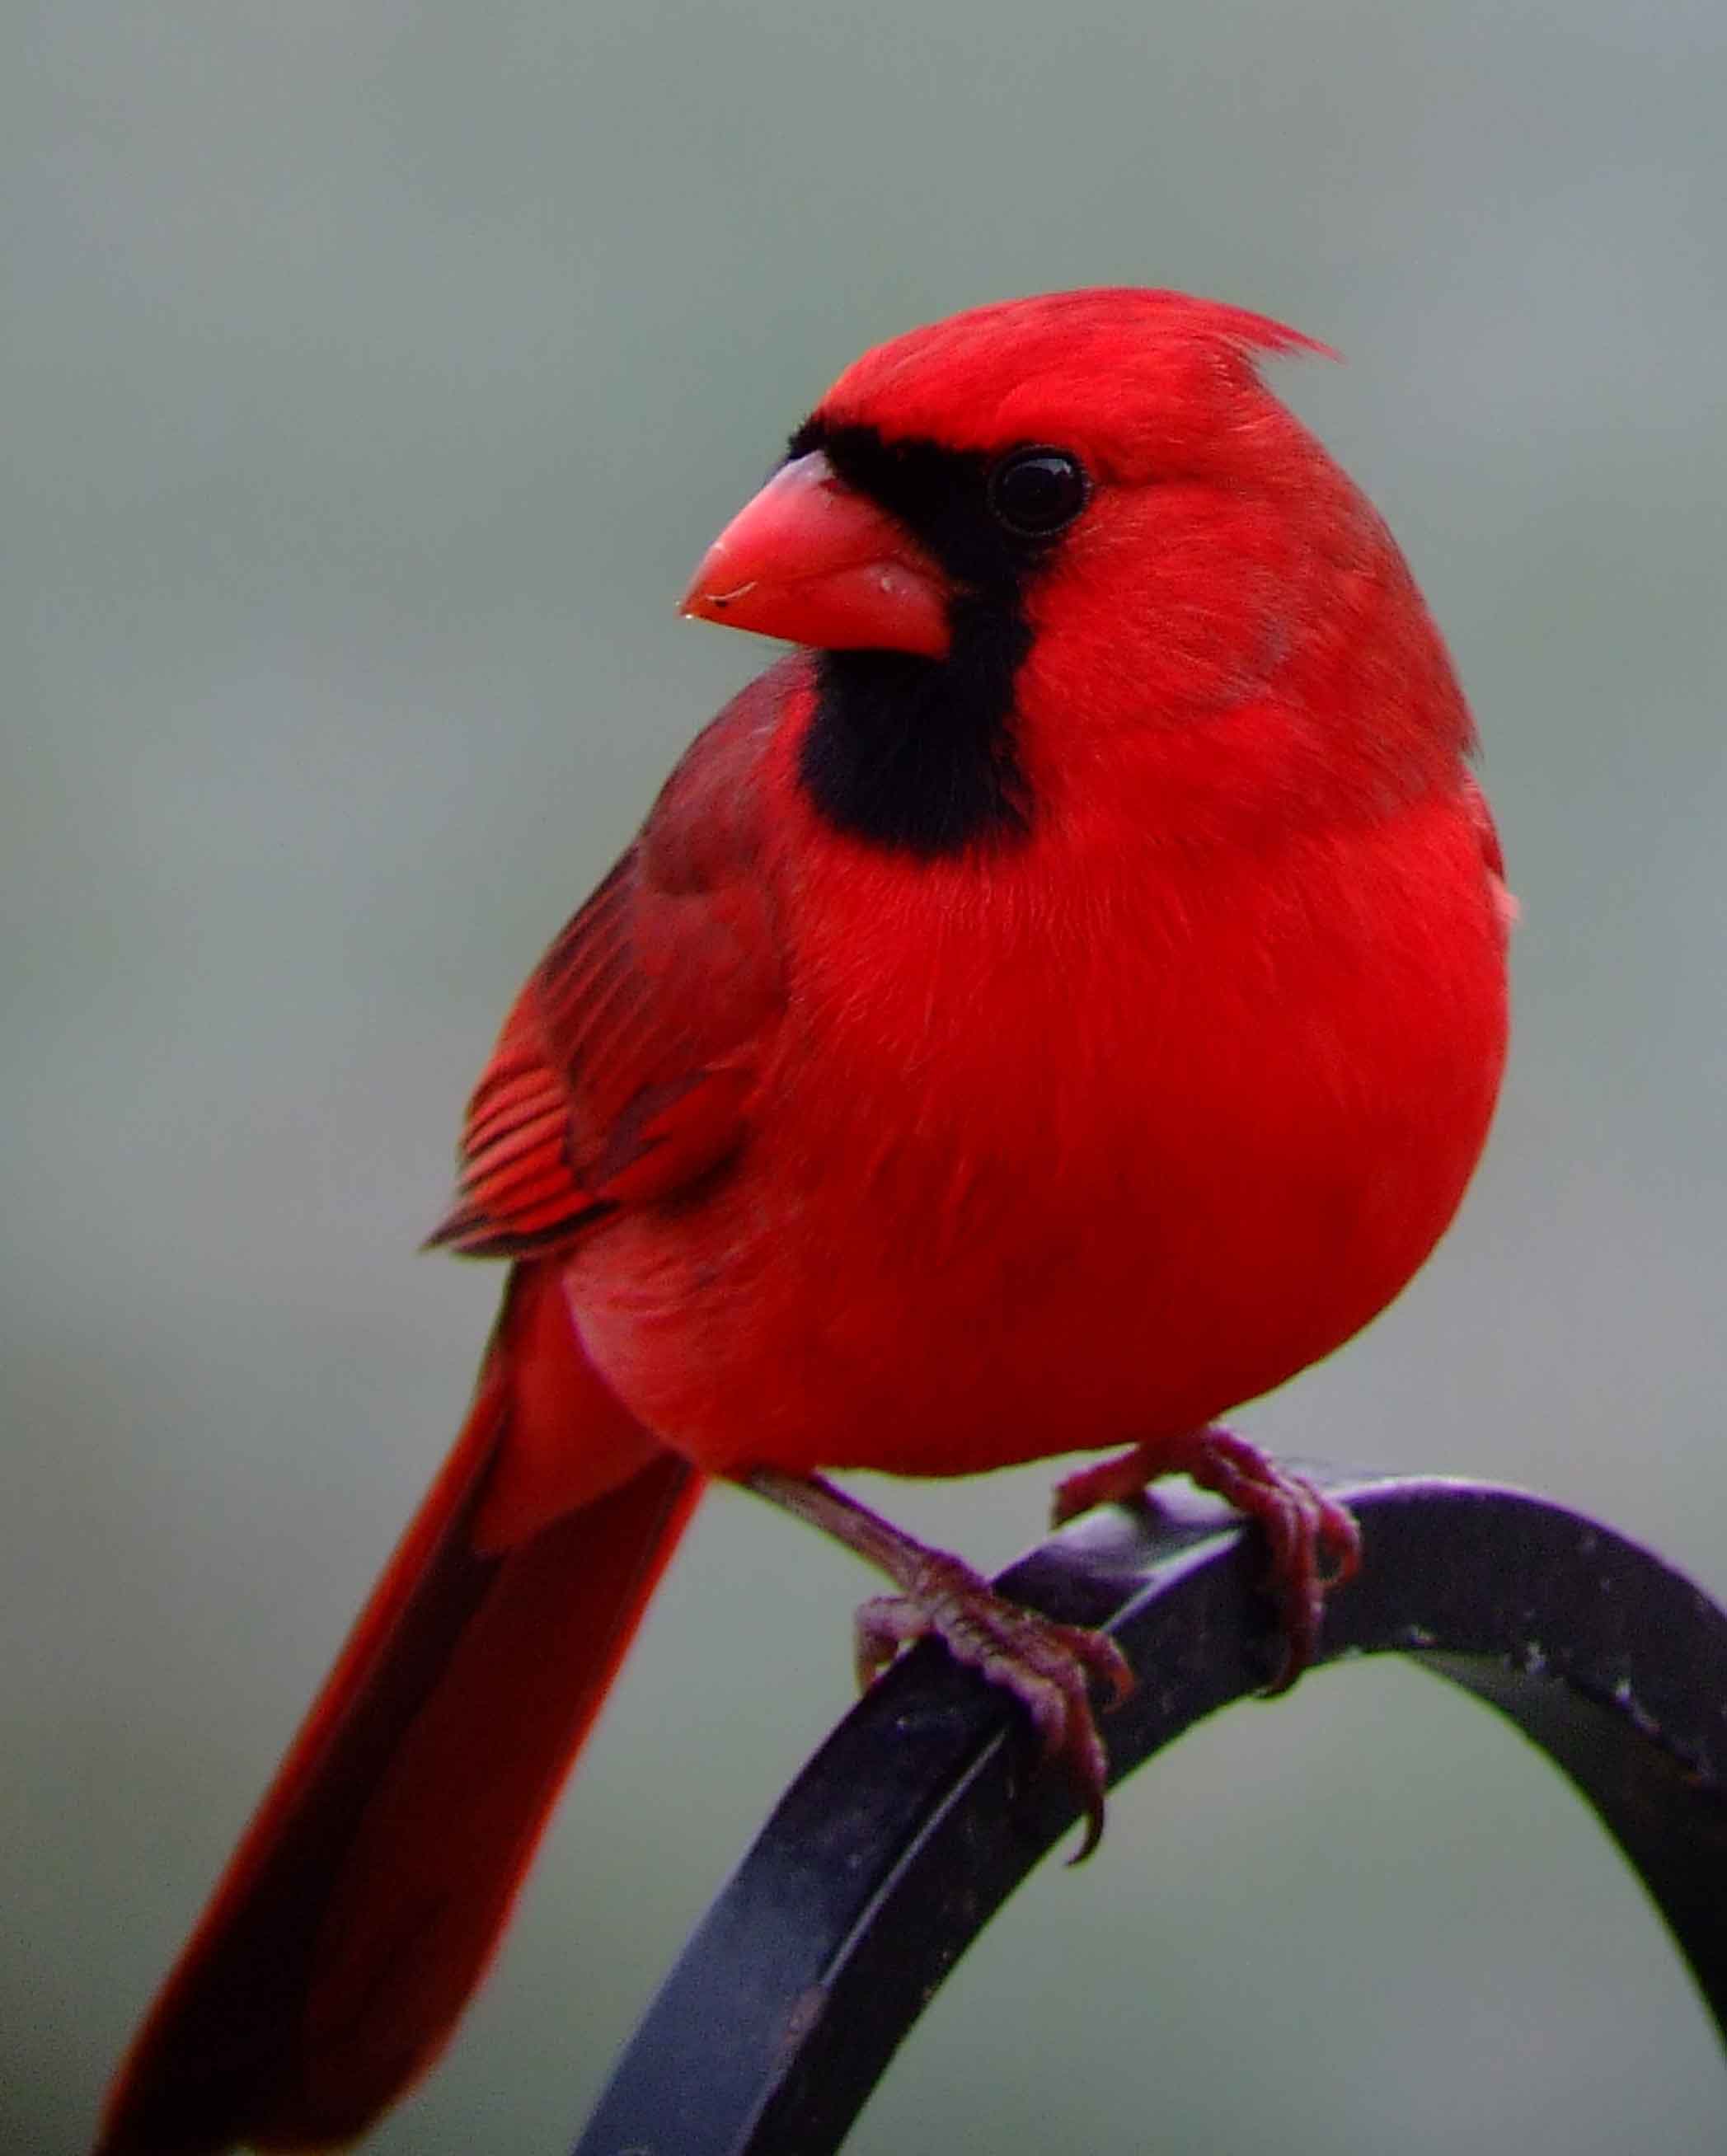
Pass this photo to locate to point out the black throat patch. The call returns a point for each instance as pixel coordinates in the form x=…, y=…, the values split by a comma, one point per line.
x=911, y=754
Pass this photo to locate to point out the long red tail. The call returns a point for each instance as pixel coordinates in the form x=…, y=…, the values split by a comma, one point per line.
x=362, y=1905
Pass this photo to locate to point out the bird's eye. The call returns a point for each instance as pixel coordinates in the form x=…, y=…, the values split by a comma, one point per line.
x=1035, y=493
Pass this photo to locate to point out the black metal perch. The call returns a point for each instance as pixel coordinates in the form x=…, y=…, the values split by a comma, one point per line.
x=917, y=1819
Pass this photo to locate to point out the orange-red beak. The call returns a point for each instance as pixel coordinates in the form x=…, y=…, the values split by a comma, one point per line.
x=812, y=560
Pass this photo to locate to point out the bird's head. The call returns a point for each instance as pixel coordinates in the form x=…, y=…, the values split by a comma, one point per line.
x=1057, y=521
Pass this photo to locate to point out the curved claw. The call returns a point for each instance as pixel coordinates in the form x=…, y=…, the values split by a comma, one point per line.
x=1315, y=1544
x=1045, y=1665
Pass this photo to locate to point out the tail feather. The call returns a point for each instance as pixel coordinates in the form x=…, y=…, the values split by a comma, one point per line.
x=365, y=1900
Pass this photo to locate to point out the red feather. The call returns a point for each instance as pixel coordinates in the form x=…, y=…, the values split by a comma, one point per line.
x=622, y=1073
x=363, y=1902
x=832, y=1142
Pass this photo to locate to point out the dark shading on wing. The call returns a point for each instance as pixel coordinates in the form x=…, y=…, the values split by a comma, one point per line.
x=623, y=1072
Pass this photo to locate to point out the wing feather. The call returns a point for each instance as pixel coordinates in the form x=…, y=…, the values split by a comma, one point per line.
x=623, y=1071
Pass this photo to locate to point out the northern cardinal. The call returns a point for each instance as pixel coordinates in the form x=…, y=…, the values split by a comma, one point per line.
x=1051, y=1007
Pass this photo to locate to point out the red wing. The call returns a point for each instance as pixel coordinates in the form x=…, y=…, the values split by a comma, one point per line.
x=623, y=1071
x=519, y=1189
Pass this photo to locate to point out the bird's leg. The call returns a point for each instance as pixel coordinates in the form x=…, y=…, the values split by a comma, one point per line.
x=1044, y=1665
x=1315, y=1544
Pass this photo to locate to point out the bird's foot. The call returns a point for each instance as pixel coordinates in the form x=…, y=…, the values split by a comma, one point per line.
x=1315, y=1543
x=1044, y=1666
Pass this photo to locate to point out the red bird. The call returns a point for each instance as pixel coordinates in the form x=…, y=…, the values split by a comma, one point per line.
x=1052, y=1007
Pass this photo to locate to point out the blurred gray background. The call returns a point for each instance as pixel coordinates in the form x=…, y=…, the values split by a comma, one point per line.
x=373, y=376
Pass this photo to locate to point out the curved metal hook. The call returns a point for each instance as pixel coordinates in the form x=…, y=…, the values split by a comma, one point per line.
x=915, y=1820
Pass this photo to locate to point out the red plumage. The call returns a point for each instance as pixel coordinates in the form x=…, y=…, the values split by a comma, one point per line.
x=362, y=1905
x=848, y=1127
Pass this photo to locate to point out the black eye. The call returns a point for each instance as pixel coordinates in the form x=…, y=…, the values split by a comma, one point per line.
x=1033, y=493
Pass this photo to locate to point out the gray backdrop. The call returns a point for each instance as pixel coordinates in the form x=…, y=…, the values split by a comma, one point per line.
x=373, y=375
